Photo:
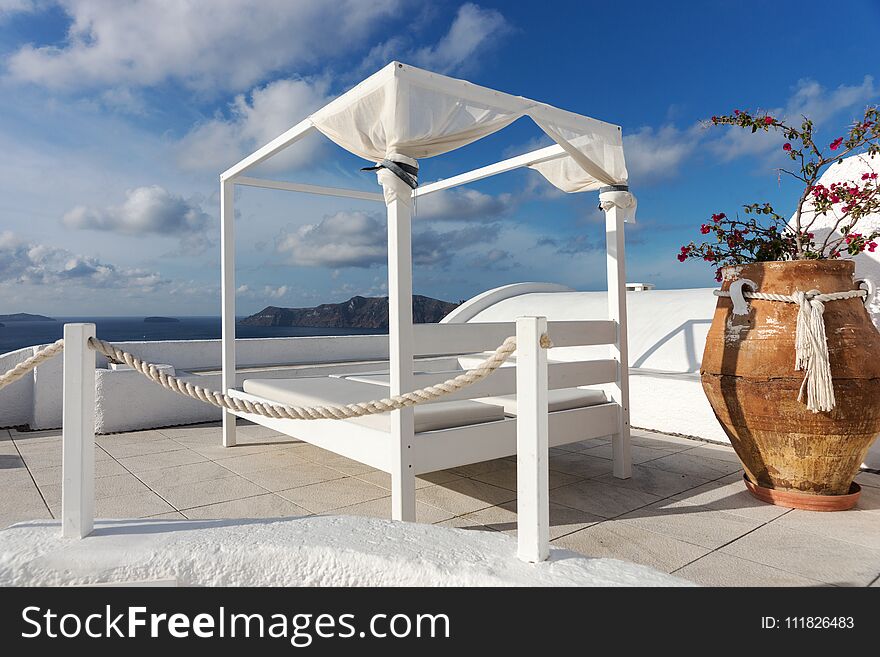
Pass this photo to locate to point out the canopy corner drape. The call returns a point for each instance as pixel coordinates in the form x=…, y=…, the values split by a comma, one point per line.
x=403, y=110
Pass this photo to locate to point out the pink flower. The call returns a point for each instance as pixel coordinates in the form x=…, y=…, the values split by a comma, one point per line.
x=736, y=112
x=869, y=176
x=682, y=257
x=768, y=120
x=836, y=143
x=786, y=147
x=704, y=229
x=872, y=246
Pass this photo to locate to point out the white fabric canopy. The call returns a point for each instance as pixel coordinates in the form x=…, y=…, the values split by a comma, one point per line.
x=409, y=111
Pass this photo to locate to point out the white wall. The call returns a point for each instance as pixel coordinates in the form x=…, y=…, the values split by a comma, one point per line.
x=867, y=264
x=667, y=328
x=36, y=400
x=17, y=399
x=126, y=401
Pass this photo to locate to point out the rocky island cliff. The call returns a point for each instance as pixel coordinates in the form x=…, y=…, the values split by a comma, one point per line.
x=357, y=312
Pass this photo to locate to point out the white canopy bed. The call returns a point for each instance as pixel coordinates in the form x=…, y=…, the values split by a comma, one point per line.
x=393, y=118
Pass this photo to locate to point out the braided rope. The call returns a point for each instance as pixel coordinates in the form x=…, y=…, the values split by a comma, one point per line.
x=812, y=295
x=282, y=411
x=278, y=411
x=811, y=342
x=27, y=365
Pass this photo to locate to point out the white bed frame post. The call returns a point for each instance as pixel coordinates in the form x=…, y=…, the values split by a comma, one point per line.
x=78, y=433
x=532, y=432
x=619, y=390
x=401, y=348
x=227, y=273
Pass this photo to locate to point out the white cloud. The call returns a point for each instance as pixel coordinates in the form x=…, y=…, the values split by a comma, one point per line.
x=262, y=293
x=254, y=120
x=462, y=205
x=570, y=246
x=276, y=292
x=8, y=7
x=438, y=249
x=394, y=49
x=123, y=99
x=472, y=32
x=205, y=45
x=473, y=29
x=344, y=239
x=496, y=259
x=23, y=263
x=538, y=141
x=147, y=210
x=814, y=101
x=359, y=239
x=656, y=154
x=809, y=99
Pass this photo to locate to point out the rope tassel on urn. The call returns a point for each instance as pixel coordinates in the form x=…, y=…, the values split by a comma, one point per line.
x=811, y=342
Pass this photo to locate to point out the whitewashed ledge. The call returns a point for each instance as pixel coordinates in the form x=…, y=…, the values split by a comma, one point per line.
x=311, y=551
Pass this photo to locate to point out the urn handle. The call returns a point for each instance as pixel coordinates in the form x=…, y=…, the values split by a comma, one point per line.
x=868, y=285
x=737, y=295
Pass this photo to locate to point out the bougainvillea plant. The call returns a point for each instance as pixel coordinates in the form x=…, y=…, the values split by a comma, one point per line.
x=762, y=234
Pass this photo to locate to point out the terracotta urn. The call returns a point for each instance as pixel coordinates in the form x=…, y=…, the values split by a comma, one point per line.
x=748, y=374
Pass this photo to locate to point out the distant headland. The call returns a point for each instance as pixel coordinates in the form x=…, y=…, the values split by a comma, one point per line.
x=25, y=317
x=161, y=320
x=357, y=312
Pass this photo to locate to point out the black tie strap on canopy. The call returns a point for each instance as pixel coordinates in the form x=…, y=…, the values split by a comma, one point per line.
x=406, y=172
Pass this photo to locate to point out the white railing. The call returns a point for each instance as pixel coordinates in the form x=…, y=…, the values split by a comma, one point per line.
x=532, y=384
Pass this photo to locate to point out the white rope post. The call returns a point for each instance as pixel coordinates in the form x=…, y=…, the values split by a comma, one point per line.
x=78, y=433
x=227, y=273
x=532, y=442
x=611, y=203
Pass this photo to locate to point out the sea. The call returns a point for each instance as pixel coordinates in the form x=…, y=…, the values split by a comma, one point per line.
x=15, y=335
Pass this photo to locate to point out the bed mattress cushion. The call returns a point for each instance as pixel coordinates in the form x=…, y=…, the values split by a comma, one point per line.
x=325, y=390
x=557, y=400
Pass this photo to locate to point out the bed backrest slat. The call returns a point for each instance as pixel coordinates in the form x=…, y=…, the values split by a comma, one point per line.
x=454, y=339
x=503, y=381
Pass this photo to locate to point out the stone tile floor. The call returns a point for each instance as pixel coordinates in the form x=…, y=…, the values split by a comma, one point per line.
x=684, y=511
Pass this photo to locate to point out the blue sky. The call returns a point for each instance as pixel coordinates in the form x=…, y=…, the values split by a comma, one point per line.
x=117, y=117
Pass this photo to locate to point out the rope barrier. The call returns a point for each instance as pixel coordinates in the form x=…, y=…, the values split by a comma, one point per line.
x=811, y=342
x=281, y=411
x=27, y=365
